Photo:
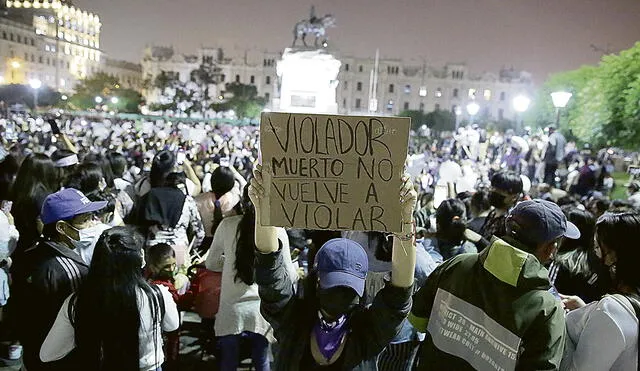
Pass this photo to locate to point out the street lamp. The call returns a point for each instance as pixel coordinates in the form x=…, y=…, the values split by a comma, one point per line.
x=15, y=64
x=35, y=85
x=560, y=100
x=520, y=104
x=98, y=100
x=114, y=100
x=472, y=109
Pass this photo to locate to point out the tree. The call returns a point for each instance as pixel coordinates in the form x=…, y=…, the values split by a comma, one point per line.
x=243, y=99
x=106, y=87
x=418, y=118
x=604, y=109
x=24, y=94
x=440, y=121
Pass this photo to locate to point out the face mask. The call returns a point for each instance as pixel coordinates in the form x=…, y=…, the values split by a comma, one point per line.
x=497, y=200
x=329, y=335
x=337, y=301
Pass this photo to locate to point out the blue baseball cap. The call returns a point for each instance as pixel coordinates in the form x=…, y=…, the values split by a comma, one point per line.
x=542, y=221
x=66, y=204
x=342, y=262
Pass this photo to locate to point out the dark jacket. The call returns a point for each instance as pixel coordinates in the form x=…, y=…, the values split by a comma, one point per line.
x=51, y=274
x=293, y=318
x=490, y=311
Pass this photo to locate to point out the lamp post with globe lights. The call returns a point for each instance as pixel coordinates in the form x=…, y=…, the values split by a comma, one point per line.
x=520, y=105
x=472, y=109
x=35, y=85
x=560, y=100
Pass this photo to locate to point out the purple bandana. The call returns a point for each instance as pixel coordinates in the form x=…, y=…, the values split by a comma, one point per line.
x=329, y=335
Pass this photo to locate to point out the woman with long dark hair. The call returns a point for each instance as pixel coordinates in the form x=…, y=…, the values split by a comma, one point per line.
x=449, y=239
x=116, y=318
x=233, y=250
x=577, y=270
x=604, y=334
x=36, y=179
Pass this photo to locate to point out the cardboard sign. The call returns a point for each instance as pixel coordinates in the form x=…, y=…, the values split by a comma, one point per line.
x=333, y=172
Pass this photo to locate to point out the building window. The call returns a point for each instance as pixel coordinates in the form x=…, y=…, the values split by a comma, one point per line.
x=406, y=106
x=359, y=86
x=391, y=87
x=423, y=91
x=237, y=78
x=267, y=96
x=500, y=114
x=11, y=36
x=455, y=93
x=19, y=38
x=454, y=109
x=345, y=86
x=407, y=89
x=268, y=80
x=222, y=77
x=357, y=103
x=40, y=60
x=487, y=94
x=472, y=93
x=346, y=67
x=437, y=107
x=360, y=68
x=252, y=79
x=48, y=61
x=438, y=93
x=33, y=42
x=503, y=96
x=4, y=35
x=421, y=107
x=390, y=105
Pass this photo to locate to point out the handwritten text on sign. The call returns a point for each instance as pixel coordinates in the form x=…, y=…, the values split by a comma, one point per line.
x=333, y=172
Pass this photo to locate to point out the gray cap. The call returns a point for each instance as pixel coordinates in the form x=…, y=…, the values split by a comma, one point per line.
x=542, y=221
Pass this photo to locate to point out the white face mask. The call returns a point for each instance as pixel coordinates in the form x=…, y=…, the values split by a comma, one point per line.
x=88, y=239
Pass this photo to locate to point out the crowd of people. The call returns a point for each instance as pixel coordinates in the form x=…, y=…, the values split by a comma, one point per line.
x=512, y=255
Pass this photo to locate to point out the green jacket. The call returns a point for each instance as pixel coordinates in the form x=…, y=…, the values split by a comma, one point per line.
x=489, y=311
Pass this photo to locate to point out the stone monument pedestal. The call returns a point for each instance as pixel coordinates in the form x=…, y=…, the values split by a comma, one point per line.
x=308, y=81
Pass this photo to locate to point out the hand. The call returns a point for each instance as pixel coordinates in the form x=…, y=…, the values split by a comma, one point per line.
x=9, y=218
x=256, y=189
x=572, y=302
x=408, y=199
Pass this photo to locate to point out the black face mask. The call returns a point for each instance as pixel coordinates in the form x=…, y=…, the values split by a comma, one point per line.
x=337, y=301
x=497, y=200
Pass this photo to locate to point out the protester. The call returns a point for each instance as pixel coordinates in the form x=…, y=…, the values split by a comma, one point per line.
x=328, y=326
x=505, y=288
x=220, y=201
x=604, y=334
x=553, y=154
x=506, y=189
x=52, y=270
x=115, y=319
x=239, y=317
x=166, y=214
x=480, y=208
x=36, y=179
x=633, y=193
x=449, y=239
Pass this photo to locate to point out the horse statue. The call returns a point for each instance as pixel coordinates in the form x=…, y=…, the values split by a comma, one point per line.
x=315, y=26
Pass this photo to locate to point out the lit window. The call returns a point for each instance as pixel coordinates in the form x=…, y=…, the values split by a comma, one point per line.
x=407, y=89
x=438, y=93
x=47, y=48
x=423, y=91
x=487, y=94
x=472, y=93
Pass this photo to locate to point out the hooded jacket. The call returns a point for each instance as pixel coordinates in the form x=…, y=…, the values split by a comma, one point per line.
x=490, y=311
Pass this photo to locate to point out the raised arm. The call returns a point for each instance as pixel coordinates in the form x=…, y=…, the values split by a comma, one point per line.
x=403, y=259
x=266, y=237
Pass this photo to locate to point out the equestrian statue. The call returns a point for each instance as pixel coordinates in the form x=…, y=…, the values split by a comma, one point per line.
x=314, y=26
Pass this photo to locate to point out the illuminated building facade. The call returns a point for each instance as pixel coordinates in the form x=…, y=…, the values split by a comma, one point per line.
x=49, y=40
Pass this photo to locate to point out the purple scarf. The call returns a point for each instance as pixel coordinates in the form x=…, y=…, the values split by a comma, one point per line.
x=329, y=335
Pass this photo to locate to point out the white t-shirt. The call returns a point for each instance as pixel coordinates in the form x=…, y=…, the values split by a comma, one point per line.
x=61, y=340
x=602, y=336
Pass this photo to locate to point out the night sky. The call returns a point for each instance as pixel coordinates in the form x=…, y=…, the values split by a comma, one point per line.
x=540, y=36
